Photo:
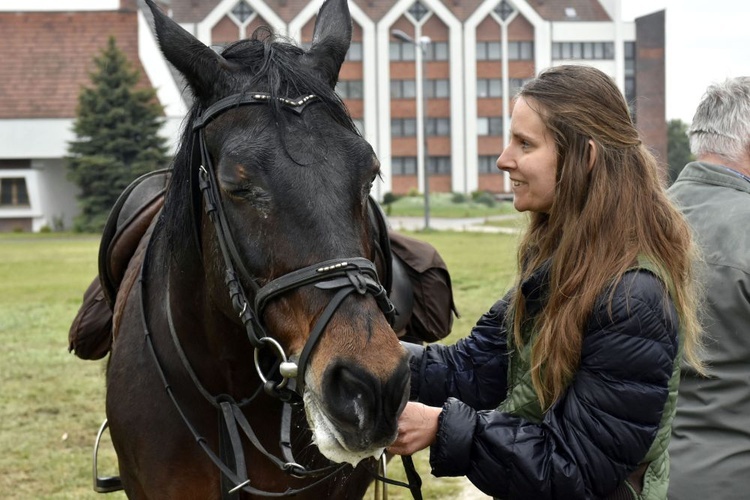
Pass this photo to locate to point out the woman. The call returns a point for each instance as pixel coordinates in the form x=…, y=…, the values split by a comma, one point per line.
x=566, y=388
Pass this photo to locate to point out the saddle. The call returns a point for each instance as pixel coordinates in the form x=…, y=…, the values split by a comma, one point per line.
x=416, y=277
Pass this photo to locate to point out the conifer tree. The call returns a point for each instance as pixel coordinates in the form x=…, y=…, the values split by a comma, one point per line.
x=678, y=148
x=116, y=137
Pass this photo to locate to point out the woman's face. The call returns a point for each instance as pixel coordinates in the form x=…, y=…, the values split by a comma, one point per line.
x=530, y=158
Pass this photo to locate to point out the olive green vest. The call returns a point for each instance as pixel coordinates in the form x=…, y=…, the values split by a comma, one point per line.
x=522, y=401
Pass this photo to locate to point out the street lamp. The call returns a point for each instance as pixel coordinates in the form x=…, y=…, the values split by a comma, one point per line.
x=421, y=51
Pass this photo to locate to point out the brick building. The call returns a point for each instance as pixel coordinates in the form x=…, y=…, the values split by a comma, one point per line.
x=479, y=52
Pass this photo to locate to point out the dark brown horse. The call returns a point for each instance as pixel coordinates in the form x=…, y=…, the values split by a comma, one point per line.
x=256, y=286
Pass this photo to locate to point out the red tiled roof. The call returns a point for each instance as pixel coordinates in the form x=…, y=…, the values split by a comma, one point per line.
x=193, y=11
x=47, y=57
x=585, y=10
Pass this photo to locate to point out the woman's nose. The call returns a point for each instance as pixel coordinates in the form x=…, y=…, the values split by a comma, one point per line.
x=504, y=162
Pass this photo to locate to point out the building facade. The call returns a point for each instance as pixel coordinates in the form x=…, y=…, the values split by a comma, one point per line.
x=439, y=110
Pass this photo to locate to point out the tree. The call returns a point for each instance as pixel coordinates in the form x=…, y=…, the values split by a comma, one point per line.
x=678, y=148
x=116, y=136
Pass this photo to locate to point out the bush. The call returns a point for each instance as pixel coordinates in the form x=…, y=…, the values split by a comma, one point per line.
x=389, y=198
x=413, y=193
x=459, y=198
x=484, y=198
x=45, y=229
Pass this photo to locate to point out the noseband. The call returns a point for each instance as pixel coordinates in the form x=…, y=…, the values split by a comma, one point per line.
x=343, y=275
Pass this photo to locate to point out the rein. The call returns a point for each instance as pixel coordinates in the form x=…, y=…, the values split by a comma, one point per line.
x=343, y=276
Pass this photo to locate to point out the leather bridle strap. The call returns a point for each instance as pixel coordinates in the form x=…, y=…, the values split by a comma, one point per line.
x=356, y=274
x=215, y=210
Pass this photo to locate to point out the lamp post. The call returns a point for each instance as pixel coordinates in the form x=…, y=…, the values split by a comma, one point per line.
x=421, y=52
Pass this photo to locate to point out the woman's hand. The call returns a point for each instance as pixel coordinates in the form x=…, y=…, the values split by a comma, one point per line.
x=417, y=428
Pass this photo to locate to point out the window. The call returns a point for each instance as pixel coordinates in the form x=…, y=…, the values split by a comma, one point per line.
x=438, y=89
x=438, y=126
x=520, y=51
x=355, y=52
x=437, y=51
x=403, y=127
x=487, y=164
x=489, y=87
x=403, y=89
x=489, y=126
x=583, y=50
x=404, y=165
x=440, y=165
x=400, y=51
x=350, y=89
x=488, y=51
x=13, y=192
x=517, y=51
x=494, y=87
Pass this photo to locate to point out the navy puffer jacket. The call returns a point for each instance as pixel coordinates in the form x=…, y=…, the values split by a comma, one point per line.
x=596, y=434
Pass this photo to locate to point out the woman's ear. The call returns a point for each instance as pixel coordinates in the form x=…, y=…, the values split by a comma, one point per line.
x=592, y=154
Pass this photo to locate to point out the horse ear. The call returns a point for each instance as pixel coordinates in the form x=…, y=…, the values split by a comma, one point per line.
x=198, y=63
x=331, y=39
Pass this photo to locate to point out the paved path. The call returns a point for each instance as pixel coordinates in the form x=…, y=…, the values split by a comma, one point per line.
x=474, y=224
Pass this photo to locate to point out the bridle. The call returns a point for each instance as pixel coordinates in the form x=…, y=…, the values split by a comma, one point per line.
x=343, y=276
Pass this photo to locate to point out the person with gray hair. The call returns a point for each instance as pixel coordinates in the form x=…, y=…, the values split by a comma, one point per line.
x=710, y=446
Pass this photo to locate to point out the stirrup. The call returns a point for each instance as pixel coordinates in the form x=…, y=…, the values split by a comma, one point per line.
x=106, y=484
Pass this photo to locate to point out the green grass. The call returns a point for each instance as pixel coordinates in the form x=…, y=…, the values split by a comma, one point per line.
x=52, y=403
x=441, y=205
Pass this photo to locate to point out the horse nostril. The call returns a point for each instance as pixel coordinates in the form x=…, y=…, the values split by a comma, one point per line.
x=352, y=396
x=358, y=402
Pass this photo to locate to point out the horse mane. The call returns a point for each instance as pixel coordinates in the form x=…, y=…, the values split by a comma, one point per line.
x=267, y=63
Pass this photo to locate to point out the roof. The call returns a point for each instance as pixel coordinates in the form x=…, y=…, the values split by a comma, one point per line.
x=47, y=57
x=582, y=10
x=193, y=11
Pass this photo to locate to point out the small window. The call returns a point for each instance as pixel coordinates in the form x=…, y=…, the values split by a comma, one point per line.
x=440, y=165
x=487, y=164
x=439, y=126
x=403, y=89
x=350, y=89
x=403, y=127
x=404, y=165
x=13, y=192
x=490, y=126
x=481, y=51
x=438, y=89
x=355, y=52
x=400, y=51
x=493, y=51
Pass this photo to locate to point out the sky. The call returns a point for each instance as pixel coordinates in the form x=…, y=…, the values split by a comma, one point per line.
x=707, y=41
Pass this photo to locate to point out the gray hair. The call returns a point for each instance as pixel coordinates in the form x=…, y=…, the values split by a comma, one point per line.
x=721, y=124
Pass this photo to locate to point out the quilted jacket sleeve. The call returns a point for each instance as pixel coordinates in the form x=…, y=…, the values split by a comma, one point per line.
x=473, y=370
x=595, y=435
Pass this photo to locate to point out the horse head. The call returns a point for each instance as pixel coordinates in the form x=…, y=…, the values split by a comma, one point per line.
x=281, y=227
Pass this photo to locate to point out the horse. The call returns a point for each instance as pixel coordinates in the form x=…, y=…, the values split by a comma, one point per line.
x=252, y=353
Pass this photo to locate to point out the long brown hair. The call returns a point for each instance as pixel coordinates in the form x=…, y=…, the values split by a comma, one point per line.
x=602, y=218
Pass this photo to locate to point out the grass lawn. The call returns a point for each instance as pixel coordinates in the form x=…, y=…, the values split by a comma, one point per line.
x=442, y=205
x=52, y=403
